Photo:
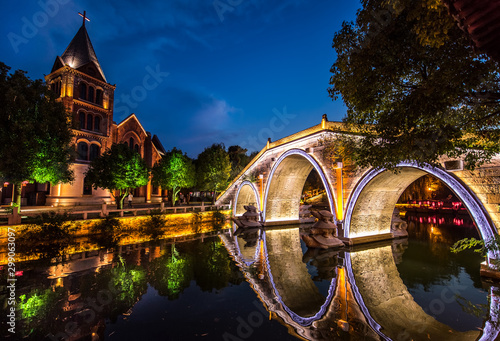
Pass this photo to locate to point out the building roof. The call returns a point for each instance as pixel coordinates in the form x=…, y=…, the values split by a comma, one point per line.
x=158, y=145
x=480, y=20
x=79, y=54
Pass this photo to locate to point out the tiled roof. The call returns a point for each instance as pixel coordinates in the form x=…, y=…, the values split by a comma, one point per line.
x=480, y=20
x=81, y=52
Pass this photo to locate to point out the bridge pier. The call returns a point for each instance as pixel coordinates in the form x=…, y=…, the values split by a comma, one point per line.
x=366, y=239
x=282, y=222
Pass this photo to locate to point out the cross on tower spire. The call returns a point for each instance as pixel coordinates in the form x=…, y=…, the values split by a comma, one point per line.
x=84, y=16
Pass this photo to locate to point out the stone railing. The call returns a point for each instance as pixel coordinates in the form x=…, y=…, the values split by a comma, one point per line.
x=15, y=218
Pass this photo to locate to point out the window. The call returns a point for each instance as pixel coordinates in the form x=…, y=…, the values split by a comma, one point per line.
x=91, y=94
x=136, y=148
x=97, y=123
x=90, y=119
x=82, y=120
x=87, y=187
x=98, y=97
x=56, y=87
x=94, y=151
x=83, y=91
x=131, y=143
x=82, y=151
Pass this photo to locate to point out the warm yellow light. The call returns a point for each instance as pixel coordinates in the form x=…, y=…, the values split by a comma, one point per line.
x=69, y=90
x=340, y=195
x=261, y=178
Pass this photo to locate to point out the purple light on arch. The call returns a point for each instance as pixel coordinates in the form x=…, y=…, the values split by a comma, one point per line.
x=316, y=166
x=491, y=330
x=303, y=321
x=255, y=192
x=471, y=202
x=256, y=253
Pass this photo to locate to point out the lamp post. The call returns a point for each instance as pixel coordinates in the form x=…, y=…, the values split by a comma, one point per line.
x=261, y=188
x=340, y=191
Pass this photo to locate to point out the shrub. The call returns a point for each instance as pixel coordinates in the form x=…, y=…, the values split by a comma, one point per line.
x=106, y=232
x=153, y=225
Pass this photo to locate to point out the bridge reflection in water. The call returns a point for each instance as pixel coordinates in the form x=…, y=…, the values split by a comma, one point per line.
x=366, y=297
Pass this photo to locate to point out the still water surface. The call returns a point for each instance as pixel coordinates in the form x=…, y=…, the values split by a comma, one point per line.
x=266, y=285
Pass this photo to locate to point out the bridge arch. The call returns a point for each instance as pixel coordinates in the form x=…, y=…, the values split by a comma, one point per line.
x=371, y=203
x=247, y=194
x=285, y=183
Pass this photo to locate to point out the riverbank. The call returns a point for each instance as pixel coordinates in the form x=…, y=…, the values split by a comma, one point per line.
x=87, y=235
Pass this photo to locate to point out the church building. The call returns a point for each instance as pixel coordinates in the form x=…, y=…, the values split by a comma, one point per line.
x=77, y=77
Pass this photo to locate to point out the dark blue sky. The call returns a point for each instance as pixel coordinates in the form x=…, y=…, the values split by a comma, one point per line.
x=239, y=71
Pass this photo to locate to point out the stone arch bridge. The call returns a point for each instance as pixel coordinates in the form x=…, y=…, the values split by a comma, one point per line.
x=362, y=202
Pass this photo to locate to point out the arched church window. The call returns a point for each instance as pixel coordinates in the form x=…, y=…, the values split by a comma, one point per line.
x=136, y=148
x=94, y=151
x=56, y=87
x=83, y=91
x=131, y=143
x=97, y=123
x=82, y=151
x=91, y=94
x=98, y=96
x=90, y=120
x=82, y=120
x=87, y=187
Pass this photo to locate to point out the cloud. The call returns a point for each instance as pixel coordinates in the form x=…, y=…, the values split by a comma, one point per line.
x=215, y=114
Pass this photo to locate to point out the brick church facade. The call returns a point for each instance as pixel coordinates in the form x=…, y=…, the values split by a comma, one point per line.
x=78, y=79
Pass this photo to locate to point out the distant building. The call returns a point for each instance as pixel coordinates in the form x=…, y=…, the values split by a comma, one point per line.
x=480, y=20
x=77, y=77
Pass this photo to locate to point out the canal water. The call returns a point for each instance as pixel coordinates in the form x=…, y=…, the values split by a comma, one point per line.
x=264, y=285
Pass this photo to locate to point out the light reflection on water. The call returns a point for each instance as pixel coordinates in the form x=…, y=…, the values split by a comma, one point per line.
x=207, y=289
x=448, y=286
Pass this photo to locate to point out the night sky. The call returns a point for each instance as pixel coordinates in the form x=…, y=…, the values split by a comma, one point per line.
x=231, y=71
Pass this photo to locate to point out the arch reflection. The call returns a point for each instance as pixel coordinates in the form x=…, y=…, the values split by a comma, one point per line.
x=366, y=298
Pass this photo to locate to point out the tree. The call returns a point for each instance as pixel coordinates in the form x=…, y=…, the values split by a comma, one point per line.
x=174, y=171
x=119, y=169
x=414, y=87
x=238, y=158
x=35, y=133
x=213, y=169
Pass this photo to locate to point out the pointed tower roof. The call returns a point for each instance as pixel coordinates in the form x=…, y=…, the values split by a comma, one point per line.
x=80, y=53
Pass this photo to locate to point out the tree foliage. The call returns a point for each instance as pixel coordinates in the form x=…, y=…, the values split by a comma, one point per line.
x=35, y=132
x=414, y=87
x=238, y=158
x=174, y=171
x=119, y=169
x=213, y=168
